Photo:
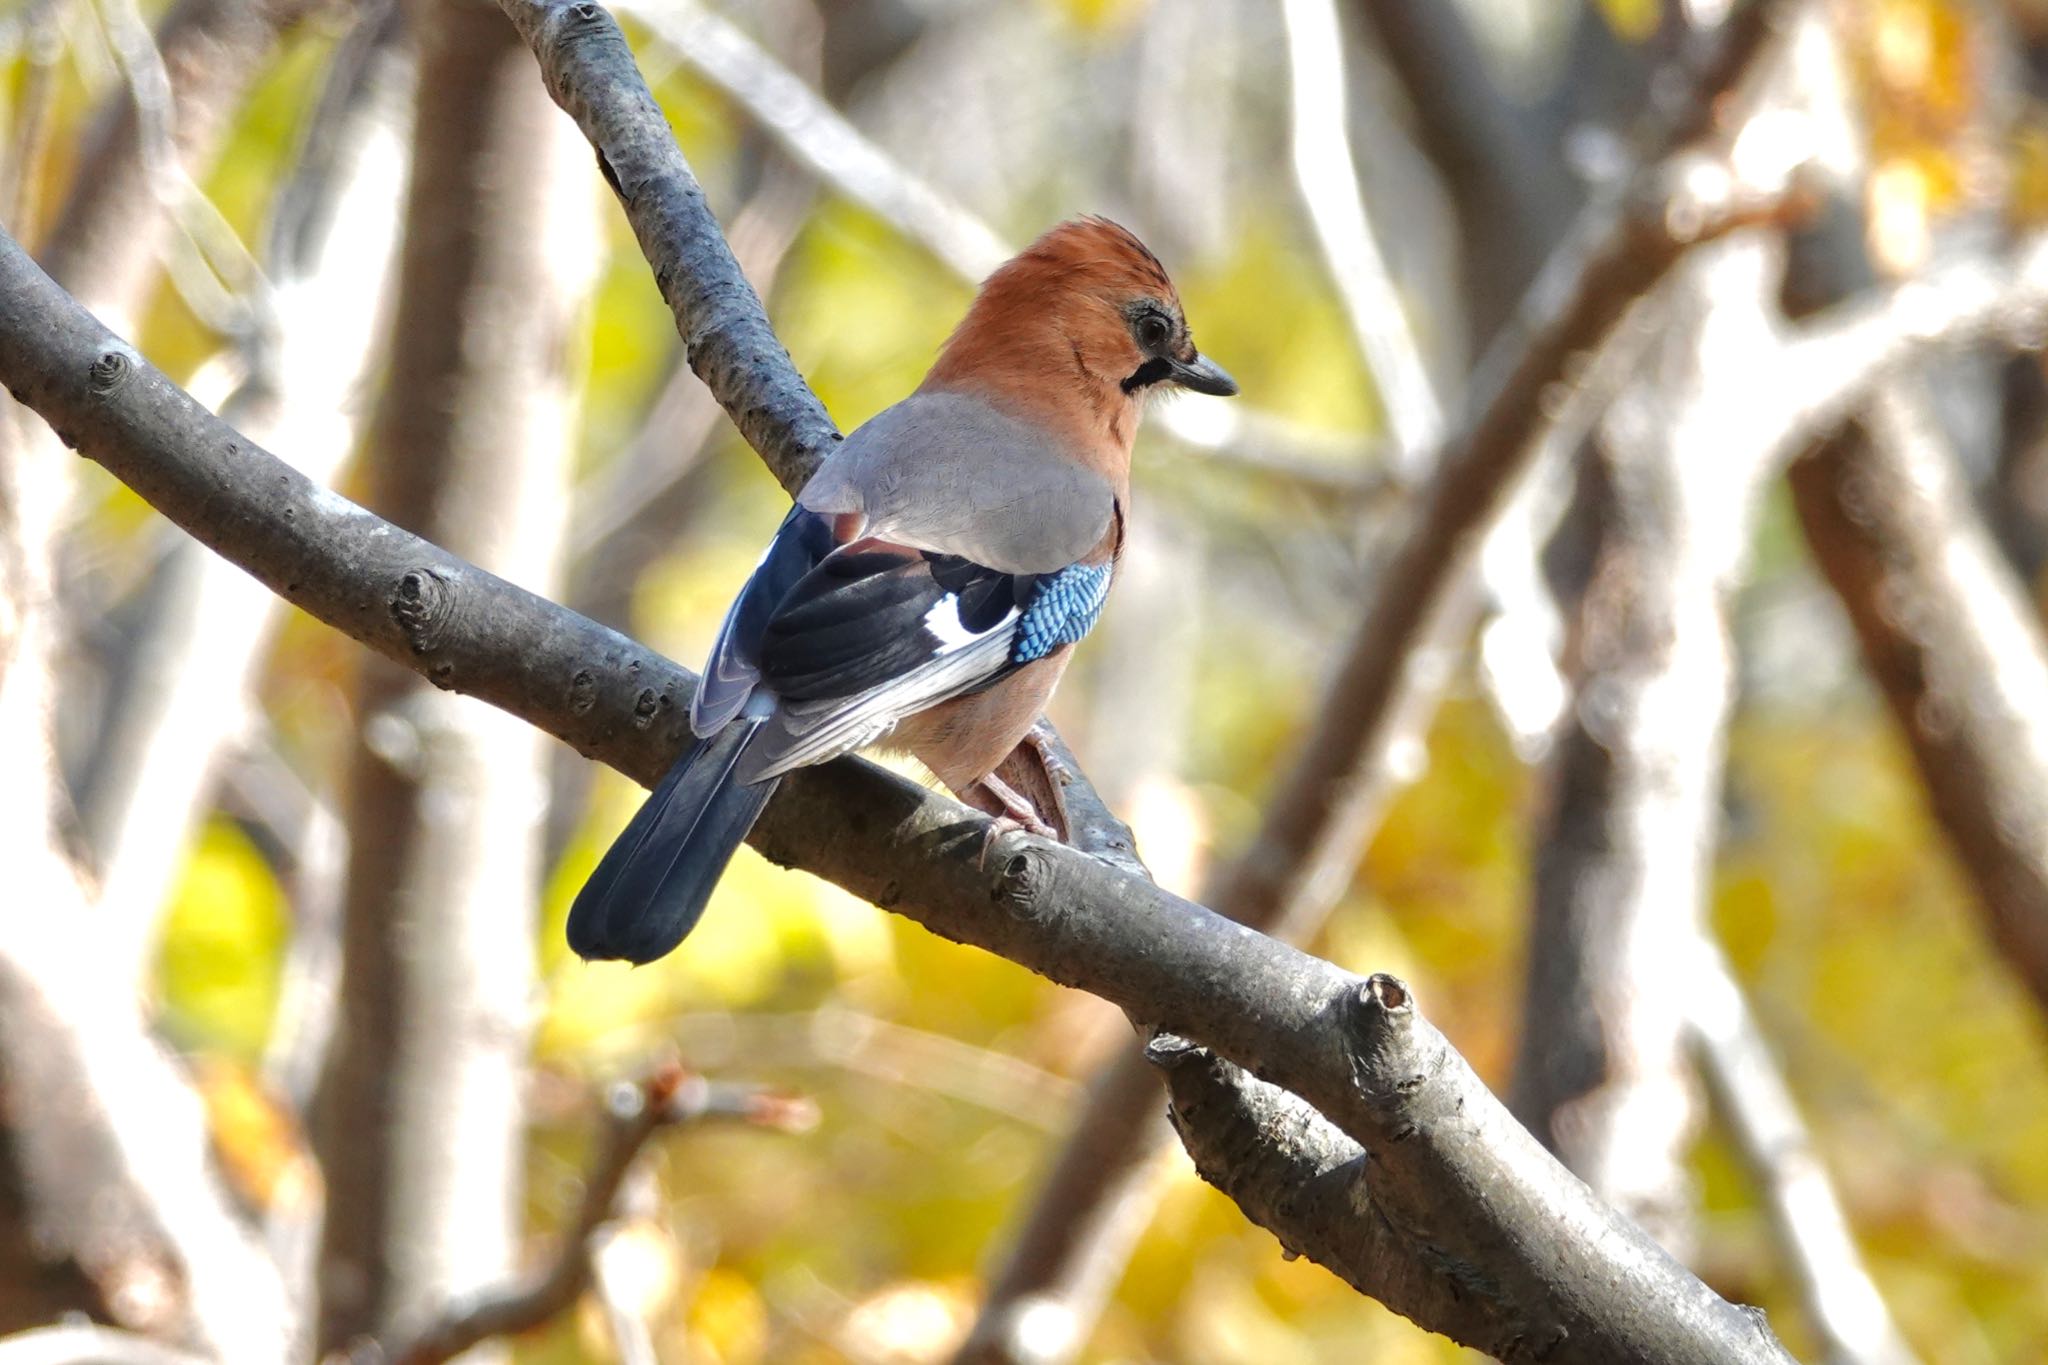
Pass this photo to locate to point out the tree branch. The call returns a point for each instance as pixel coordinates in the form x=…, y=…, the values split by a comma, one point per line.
x=1515, y=1230
x=819, y=138
x=1951, y=642
x=591, y=73
x=1840, y=1299
x=1394, y=665
x=634, y=1113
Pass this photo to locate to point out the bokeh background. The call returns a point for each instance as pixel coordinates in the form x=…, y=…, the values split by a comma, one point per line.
x=942, y=1078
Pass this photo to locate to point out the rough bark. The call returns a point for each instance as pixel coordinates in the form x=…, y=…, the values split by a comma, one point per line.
x=419, y=1119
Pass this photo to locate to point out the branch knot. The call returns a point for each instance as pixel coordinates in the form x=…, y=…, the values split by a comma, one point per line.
x=423, y=605
x=1023, y=883
x=110, y=369
x=1379, y=1034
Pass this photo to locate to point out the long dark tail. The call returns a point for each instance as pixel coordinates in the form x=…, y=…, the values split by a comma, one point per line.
x=651, y=887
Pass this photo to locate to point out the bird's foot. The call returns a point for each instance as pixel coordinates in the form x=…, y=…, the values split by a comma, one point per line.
x=1018, y=809
x=1018, y=815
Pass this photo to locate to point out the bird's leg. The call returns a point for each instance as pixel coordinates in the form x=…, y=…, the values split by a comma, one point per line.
x=1039, y=737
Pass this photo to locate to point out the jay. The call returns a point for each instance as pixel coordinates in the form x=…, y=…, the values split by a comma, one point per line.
x=928, y=586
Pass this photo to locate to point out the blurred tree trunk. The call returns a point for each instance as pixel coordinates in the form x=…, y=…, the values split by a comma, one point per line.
x=419, y=1118
x=1634, y=781
x=108, y=1201
x=180, y=697
x=1952, y=642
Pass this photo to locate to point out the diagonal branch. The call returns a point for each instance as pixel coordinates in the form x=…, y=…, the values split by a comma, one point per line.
x=816, y=136
x=591, y=73
x=1755, y=1105
x=1527, y=1260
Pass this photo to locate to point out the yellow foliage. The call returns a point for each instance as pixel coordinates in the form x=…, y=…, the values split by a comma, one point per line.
x=727, y=1316
x=1635, y=20
x=223, y=936
x=259, y=1142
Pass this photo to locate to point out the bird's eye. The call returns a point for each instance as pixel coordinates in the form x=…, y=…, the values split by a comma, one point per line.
x=1153, y=331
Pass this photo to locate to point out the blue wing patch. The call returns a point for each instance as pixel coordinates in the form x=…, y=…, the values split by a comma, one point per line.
x=1062, y=608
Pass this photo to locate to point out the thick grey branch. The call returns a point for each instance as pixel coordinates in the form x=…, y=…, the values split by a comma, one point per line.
x=1460, y=1174
x=590, y=71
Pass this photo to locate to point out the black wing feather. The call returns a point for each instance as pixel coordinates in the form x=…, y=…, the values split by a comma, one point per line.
x=859, y=620
x=801, y=543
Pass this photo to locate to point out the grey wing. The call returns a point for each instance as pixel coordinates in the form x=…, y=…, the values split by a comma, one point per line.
x=948, y=473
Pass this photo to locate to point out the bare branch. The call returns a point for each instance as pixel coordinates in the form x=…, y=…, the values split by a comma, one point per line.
x=1952, y=643
x=590, y=71
x=818, y=137
x=110, y=232
x=634, y=1114
x=1834, y=357
x=1842, y=1303
x=1327, y=175
x=810, y=132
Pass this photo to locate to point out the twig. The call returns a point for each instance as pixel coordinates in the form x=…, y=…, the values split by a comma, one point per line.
x=210, y=266
x=1831, y=361
x=108, y=235
x=1327, y=175
x=1841, y=1302
x=810, y=132
x=878, y=1050
x=634, y=1112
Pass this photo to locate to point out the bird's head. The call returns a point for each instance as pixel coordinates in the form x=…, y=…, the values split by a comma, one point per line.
x=1081, y=327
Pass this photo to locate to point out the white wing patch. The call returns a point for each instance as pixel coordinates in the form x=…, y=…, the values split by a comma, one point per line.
x=943, y=621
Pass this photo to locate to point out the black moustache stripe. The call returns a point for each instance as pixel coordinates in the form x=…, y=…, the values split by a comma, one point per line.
x=1151, y=372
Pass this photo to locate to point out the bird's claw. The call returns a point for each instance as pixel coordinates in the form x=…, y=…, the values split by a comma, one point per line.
x=1018, y=816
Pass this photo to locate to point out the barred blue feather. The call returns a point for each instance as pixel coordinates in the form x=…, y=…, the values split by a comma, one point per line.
x=1062, y=609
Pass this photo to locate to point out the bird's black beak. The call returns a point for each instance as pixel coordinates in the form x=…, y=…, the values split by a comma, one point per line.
x=1203, y=376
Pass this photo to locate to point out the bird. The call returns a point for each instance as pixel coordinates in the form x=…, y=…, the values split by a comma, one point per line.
x=927, y=588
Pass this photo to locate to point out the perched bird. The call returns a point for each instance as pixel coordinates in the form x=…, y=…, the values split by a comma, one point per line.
x=932, y=579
